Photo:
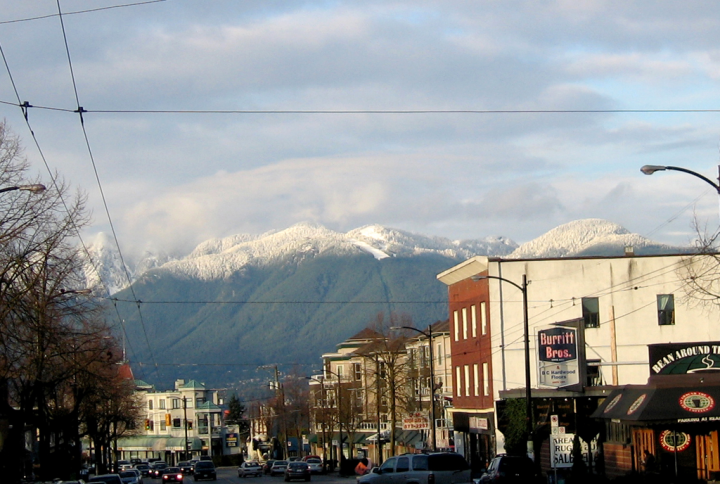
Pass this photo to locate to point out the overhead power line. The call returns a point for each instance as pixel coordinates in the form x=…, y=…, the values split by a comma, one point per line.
x=76, y=12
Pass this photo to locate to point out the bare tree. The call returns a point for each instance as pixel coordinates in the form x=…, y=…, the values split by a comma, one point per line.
x=389, y=368
x=49, y=329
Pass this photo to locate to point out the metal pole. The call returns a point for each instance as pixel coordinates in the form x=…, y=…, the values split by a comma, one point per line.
x=432, y=391
x=186, y=426
x=528, y=393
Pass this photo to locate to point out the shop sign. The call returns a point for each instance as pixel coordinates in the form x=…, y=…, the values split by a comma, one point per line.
x=674, y=441
x=231, y=440
x=558, y=357
x=682, y=358
x=561, y=450
x=416, y=422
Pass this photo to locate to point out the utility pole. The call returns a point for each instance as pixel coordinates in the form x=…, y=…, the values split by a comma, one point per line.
x=187, y=443
x=280, y=392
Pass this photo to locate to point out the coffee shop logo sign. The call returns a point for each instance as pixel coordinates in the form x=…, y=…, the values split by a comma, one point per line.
x=676, y=358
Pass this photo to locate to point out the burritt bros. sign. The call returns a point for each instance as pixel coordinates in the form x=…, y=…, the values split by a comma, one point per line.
x=558, y=354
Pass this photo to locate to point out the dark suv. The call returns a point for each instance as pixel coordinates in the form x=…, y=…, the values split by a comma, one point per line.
x=204, y=469
x=436, y=468
x=510, y=469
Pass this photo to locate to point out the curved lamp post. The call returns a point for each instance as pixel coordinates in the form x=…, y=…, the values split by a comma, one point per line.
x=428, y=334
x=29, y=188
x=322, y=393
x=650, y=169
x=526, y=335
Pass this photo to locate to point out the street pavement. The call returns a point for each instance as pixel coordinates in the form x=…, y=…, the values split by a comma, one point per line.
x=228, y=475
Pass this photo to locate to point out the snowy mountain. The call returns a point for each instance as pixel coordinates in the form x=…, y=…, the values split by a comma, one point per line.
x=221, y=258
x=589, y=237
x=288, y=296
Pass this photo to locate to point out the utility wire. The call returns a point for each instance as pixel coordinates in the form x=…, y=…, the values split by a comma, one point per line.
x=79, y=12
x=80, y=111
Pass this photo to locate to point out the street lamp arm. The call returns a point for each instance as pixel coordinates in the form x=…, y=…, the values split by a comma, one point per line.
x=480, y=278
x=414, y=329
x=650, y=169
x=29, y=188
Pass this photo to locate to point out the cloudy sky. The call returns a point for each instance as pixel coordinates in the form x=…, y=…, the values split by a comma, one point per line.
x=455, y=118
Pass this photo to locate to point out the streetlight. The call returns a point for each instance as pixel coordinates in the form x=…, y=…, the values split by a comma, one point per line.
x=650, y=169
x=29, y=188
x=339, y=404
x=427, y=334
x=526, y=334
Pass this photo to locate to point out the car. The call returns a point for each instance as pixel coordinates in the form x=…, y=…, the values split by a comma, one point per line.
x=131, y=476
x=308, y=457
x=297, y=470
x=250, y=468
x=204, y=469
x=434, y=468
x=186, y=467
x=144, y=468
x=267, y=466
x=315, y=466
x=278, y=467
x=107, y=479
x=510, y=469
x=156, y=469
x=172, y=474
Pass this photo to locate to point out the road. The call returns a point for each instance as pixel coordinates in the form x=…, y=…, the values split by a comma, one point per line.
x=227, y=475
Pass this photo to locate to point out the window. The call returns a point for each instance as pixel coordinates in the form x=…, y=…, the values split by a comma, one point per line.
x=339, y=371
x=150, y=404
x=439, y=353
x=473, y=317
x=486, y=378
x=189, y=424
x=465, y=323
x=591, y=312
x=592, y=372
x=420, y=462
x=476, y=376
x=199, y=401
x=467, y=380
x=357, y=371
x=161, y=404
x=177, y=423
x=456, y=325
x=403, y=464
x=388, y=465
x=458, y=382
x=176, y=403
x=188, y=403
x=483, y=318
x=666, y=309
x=163, y=426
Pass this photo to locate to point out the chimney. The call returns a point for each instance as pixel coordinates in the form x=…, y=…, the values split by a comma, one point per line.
x=629, y=251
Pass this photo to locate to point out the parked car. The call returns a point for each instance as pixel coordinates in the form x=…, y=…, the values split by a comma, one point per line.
x=172, y=474
x=510, y=469
x=186, y=467
x=107, y=479
x=204, y=469
x=131, y=476
x=315, y=465
x=297, y=470
x=156, y=469
x=250, y=468
x=436, y=468
x=267, y=466
x=278, y=467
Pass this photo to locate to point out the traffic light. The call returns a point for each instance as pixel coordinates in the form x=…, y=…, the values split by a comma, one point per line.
x=147, y=424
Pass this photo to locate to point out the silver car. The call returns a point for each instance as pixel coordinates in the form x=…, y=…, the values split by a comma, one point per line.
x=250, y=468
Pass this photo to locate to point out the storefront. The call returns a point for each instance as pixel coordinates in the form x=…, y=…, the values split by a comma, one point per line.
x=672, y=422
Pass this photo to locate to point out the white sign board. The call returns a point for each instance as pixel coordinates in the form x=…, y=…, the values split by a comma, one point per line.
x=561, y=446
x=417, y=422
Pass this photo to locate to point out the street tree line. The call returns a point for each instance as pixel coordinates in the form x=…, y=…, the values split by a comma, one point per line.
x=59, y=358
